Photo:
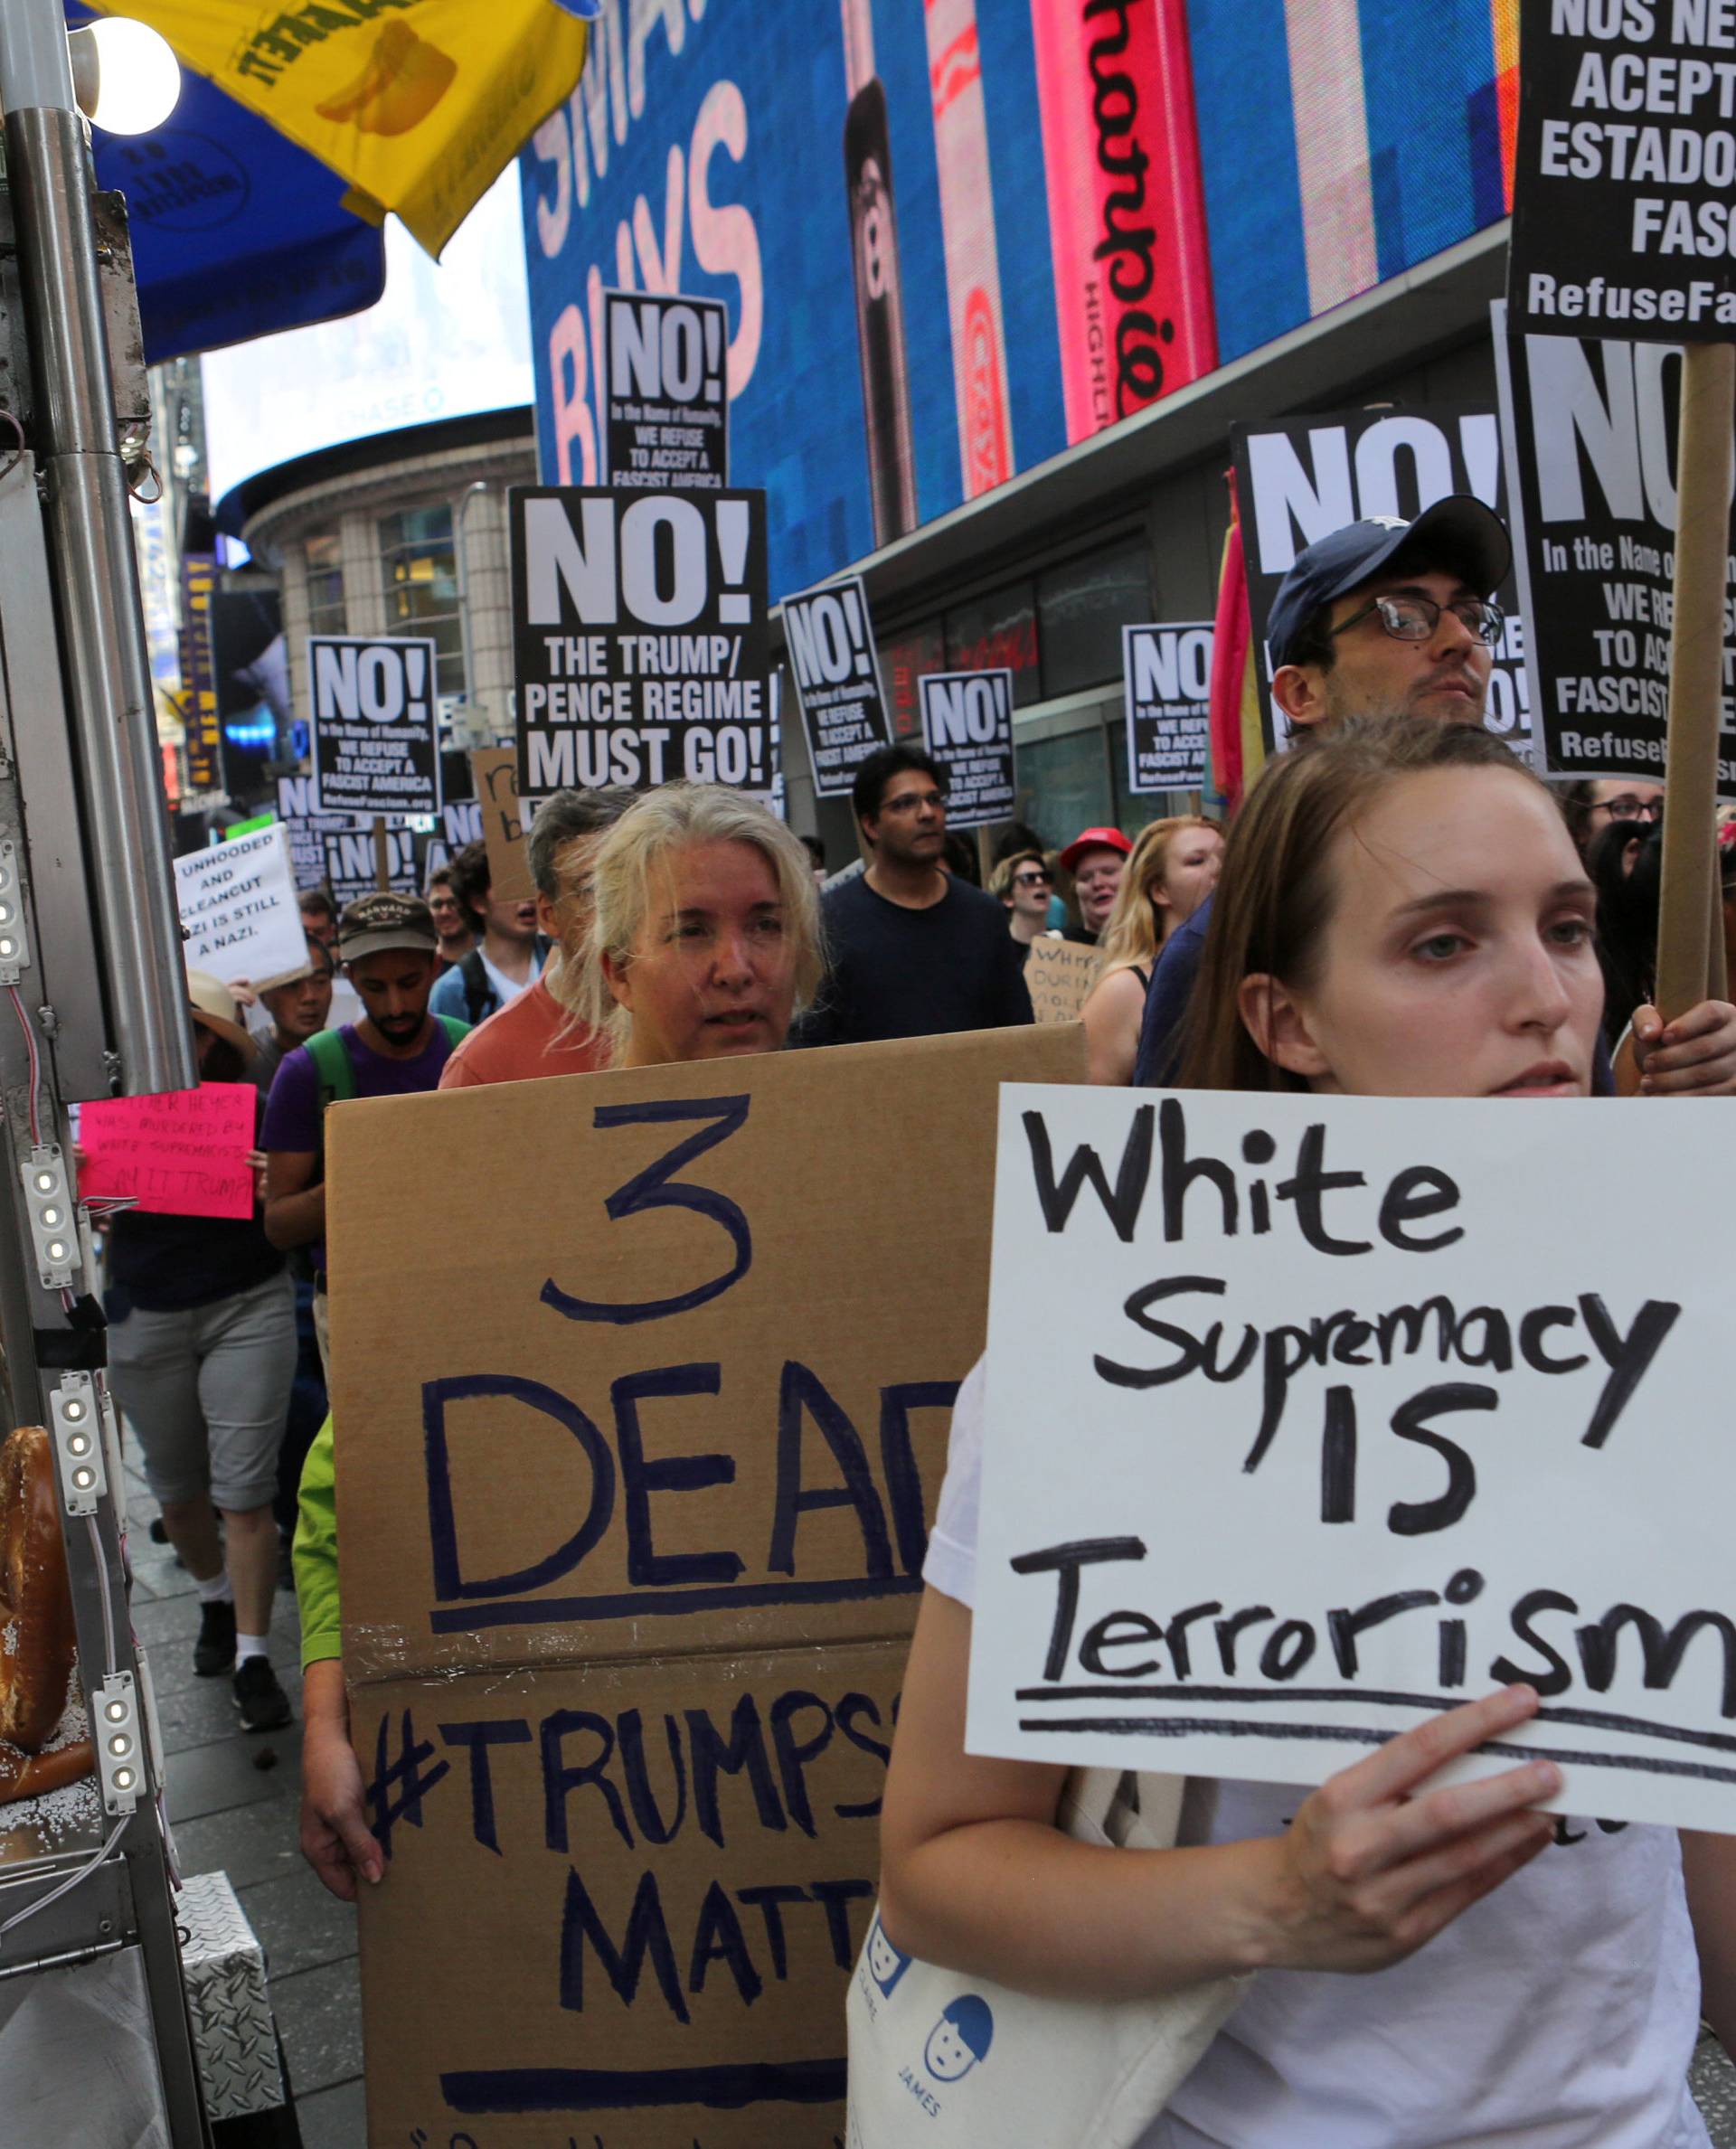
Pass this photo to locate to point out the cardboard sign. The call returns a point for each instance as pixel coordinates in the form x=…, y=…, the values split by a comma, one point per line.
x=182, y=1153
x=1623, y=213
x=666, y=395
x=1299, y=478
x=1060, y=974
x=503, y=828
x=640, y=637
x=376, y=726
x=968, y=723
x=631, y=1558
x=352, y=867
x=238, y=910
x=1589, y=428
x=1167, y=672
x=1369, y=1411
x=837, y=682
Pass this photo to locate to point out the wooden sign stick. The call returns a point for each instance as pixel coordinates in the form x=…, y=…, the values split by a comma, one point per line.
x=382, y=852
x=1685, y=942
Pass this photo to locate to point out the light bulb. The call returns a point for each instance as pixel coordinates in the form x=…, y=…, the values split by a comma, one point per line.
x=138, y=77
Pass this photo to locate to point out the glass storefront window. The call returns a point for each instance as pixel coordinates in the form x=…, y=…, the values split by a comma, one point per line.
x=324, y=556
x=902, y=664
x=998, y=632
x=1064, y=784
x=421, y=585
x=1081, y=608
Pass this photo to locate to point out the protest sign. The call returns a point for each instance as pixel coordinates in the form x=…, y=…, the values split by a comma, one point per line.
x=238, y=910
x=1623, y=213
x=502, y=826
x=640, y=637
x=461, y=818
x=967, y=721
x=1588, y=428
x=837, y=682
x=376, y=729
x=1167, y=675
x=631, y=1558
x=182, y=1153
x=204, y=738
x=666, y=393
x=352, y=863
x=1297, y=479
x=1329, y=1366
x=306, y=828
x=1060, y=974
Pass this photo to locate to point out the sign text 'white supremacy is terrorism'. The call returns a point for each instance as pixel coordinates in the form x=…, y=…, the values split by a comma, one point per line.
x=640, y=637
x=1367, y=1410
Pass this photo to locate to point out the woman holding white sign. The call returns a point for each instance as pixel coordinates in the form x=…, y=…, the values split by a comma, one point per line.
x=1403, y=914
x=1172, y=869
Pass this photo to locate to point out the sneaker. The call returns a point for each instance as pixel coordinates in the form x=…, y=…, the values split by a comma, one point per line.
x=214, y=1651
x=263, y=1704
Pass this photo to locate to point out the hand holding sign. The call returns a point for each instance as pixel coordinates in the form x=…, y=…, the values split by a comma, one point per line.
x=189, y=1153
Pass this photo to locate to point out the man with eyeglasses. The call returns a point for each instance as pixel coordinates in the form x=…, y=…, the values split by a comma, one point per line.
x=1023, y=885
x=1593, y=802
x=911, y=950
x=1386, y=617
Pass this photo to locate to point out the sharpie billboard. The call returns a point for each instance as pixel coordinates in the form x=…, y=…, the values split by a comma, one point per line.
x=1014, y=225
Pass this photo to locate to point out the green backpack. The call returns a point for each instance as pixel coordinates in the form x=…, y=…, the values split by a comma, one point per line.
x=336, y=1073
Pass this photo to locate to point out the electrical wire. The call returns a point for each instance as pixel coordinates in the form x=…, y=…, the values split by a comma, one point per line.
x=35, y=1065
x=71, y=1881
x=101, y=1566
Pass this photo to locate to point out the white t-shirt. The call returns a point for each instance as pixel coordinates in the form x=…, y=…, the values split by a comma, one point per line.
x=1560, y=2012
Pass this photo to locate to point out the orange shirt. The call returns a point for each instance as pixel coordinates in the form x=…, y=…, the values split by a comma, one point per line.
x=523, y=1040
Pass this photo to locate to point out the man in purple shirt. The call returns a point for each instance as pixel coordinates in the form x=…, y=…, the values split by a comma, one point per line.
x=390, y=952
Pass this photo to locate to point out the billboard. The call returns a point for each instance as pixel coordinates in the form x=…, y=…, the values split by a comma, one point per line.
x=1014, y=225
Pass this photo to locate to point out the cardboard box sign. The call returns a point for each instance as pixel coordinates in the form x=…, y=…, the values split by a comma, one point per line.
x=650, y=1435
x=1060, y=974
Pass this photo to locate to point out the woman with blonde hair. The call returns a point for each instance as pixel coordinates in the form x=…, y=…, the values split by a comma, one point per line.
x=1172, y=869
x=705, y=937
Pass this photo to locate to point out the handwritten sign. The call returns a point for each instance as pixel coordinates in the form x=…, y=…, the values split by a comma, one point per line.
x=494, y=770
x=630, y=1559
x=238, y=908
x=1060, y=974
x=180, y=1154
x=1369, y=1411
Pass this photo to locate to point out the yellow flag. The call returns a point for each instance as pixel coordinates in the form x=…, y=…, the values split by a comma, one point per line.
x=419, y=104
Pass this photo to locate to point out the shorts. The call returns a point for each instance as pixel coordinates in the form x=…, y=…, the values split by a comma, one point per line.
x=207, y=1391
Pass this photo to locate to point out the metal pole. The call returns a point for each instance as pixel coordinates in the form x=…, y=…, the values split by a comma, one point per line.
x=91, y=546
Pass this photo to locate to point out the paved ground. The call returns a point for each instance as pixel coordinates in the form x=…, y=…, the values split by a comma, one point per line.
x=232, y=1812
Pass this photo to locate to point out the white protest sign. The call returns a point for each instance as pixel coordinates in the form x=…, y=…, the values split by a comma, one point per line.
x=1309, y=1415
x=239, y=911
x=376, y=725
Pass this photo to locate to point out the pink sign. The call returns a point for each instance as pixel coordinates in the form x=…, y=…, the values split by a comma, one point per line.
x=182, y=1154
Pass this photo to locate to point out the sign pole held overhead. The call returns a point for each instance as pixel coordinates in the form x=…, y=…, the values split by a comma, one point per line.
x=382, y=852
x=1686, y=938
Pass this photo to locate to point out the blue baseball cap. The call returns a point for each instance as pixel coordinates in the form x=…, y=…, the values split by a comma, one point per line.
x=1458, y=534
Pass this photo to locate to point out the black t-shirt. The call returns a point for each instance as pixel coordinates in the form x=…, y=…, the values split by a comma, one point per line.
x=168, y=1263
x=895, y=972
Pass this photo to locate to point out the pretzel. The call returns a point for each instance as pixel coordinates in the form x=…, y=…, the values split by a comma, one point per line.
x=28, y=1776
x=37, y=1644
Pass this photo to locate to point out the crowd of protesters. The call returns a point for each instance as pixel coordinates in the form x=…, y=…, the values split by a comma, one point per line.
x=688, y=924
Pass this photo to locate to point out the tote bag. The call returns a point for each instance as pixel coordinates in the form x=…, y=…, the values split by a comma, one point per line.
x=953, y=2061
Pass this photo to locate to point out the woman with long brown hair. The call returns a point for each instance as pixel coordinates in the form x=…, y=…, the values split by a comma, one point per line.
x=1172, y=869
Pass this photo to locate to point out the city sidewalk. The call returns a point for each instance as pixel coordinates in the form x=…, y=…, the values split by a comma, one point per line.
x=232, y=1804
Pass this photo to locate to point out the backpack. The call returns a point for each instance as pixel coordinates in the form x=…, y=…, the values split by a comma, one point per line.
x=479, y=1000
x=337, y=1073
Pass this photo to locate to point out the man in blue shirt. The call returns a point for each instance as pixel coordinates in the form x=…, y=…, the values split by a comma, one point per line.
x=509, y=950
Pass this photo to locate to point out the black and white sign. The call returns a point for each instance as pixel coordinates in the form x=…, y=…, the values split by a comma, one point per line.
x=1624, y=190
x=1167, y=672
x=352, y=868
x=1589, y=428
x=376, y=739
x=1298, y=479
x=968, y=723
x=1368, y=1410
x=666, y=398
x=836, y=669
x=306, y=828
x=640, y=637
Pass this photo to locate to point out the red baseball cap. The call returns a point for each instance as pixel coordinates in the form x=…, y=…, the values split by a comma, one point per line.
x=1094, y=839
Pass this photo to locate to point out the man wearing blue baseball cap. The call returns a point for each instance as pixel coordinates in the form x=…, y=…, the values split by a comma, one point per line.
x=1386, y=617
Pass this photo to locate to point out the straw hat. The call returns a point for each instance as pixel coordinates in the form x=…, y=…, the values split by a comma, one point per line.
x=213, y=1005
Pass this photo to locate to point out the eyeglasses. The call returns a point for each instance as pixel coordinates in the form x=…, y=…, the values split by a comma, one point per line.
x=910, y=802
x=1032, y=880
x=1630, y=809
x=1415, y=619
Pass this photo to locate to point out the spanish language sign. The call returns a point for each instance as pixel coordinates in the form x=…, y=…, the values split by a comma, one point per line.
x=1297, y=479
x=352, y=866
x=182, y=1153
x=630, y=1559
x=967, y=721
x=1624, y=187
x=837, y=682
x=377, y=730
x=1589, y=428
x=238, y=910
x=640, y=637
x=1167, y=676
x=1369, y=1411
x=667, y=401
